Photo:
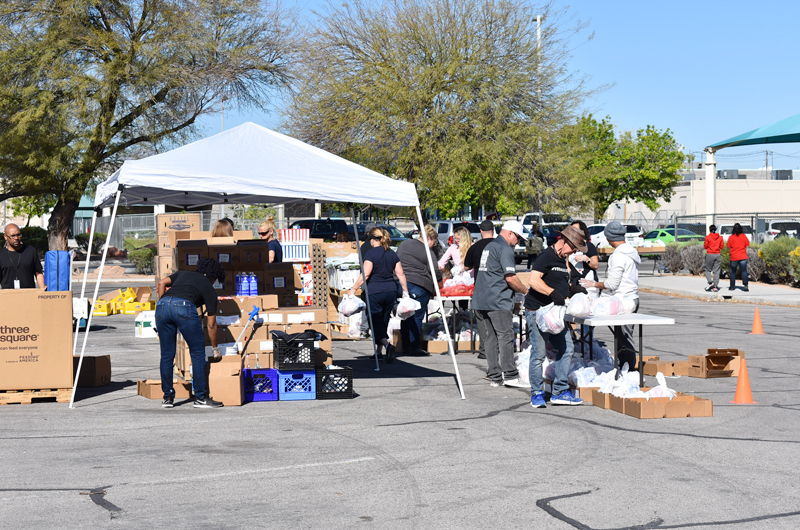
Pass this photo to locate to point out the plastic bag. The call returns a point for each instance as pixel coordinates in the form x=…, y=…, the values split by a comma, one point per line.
x=350, y=305
x=606, y=306
x=661, y=390
x=579, y=306
x=523, y=361
x=550, y=318
x=407, y=307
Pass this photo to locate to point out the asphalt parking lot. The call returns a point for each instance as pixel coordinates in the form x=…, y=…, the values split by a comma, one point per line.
x=407, y=452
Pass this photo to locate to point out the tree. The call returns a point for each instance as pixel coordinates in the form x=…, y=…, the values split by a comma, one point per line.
x=87, y=83
x=30, y=207
x=642, y=168
x=443, y=94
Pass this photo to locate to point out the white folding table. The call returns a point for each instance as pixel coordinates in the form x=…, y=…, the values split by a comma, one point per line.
x=615, y=321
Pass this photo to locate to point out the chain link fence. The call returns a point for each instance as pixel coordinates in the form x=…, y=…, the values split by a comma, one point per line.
x=759, y=227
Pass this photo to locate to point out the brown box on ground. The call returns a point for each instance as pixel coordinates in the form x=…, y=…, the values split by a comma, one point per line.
x=253, y=254
x=616, y=404
x=151, y=388
x=225, y=381
x=35, y=340
x=680, y=368
x=680, y=406
x=646, y=359
x=188, y=252
x=95, y=371
x=714, y=365
x=176, y=222
x=653, y=367
x=599, y=399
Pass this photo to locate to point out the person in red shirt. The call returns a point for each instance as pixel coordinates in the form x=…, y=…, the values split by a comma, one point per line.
x=713, y=246
x=738, y=244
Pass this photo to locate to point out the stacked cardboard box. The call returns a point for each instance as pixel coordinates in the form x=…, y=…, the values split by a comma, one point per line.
x=127, y=301
x=680, y=406
x=171, y=227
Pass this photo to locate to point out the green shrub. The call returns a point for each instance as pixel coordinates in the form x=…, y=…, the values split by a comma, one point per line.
x=755, y=265
x=672, y=258
x=97, y=243
x=143, y=259
x=131, y=243
x=775, y=255
x=37, y=238
x=693, y=257
x=794, y=259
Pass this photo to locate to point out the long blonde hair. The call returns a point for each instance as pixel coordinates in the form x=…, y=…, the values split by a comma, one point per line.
x=383, y=234
x=465, y=243
x=267, y=225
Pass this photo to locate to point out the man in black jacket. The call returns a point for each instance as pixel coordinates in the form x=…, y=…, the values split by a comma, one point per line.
x=19, y=263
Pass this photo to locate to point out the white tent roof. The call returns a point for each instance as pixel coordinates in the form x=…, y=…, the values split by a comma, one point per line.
x=250, y=164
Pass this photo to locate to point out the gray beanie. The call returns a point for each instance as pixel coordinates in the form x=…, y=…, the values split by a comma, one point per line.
x=615, y=231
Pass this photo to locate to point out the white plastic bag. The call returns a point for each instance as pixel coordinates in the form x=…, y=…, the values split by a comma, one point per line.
x=550, y=318
x=523, y=361
x=579, y=306
x=606, y=306
x=407, y=307
x=350, y=305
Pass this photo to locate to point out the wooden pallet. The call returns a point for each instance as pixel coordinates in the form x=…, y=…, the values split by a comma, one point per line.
x=26, y=397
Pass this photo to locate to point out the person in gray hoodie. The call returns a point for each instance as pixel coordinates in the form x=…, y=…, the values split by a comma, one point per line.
x=622, y=280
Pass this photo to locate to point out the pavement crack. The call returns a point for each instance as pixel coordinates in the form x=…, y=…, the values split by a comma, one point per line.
x=468, y=418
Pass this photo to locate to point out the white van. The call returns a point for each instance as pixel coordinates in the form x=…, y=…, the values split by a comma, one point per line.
x=543, y=219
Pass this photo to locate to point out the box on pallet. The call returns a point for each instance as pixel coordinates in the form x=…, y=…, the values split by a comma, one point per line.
x=36, y=341
x=253, y=253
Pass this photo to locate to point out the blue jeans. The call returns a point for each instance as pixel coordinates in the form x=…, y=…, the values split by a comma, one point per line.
x=562, y=342
x=741, y=265
x=173, y=315
x=380, y=307
x=411, y=328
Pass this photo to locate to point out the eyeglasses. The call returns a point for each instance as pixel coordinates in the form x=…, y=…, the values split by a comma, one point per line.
x=263, y=233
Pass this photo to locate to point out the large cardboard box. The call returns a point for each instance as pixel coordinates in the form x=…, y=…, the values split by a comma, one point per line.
x=305, y=315
x=263, y=360
x=280, y=278
x=339, y=250
x=225, y=381
x=238, y=235
x=253, y=254
x=653, y=367
x=168, y=242
x=188, y=252
x=151, y=388
x=718, y=363
x=95, y=371
x=35, y=340
x=226, y=255
x=227, y=287
x=323, y=328
x=165, y=265
x=176, y=222
x=680, y=406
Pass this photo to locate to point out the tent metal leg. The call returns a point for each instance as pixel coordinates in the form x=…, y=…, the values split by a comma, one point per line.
x=83, y=285
x=96, y=289
x=424, y=237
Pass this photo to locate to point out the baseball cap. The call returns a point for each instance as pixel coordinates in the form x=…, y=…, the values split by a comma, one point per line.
x=516, y=227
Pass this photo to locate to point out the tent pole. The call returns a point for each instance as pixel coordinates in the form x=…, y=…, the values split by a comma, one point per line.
x=83, y=285
x=424, y=238
x=96, y=289
x=366, y=292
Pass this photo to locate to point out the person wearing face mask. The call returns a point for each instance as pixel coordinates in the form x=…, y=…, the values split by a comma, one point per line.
x=268, y=232
x=550, y=283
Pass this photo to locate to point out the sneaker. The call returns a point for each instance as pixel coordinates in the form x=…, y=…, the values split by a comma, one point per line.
x=168, y=403
x=731, y=289
x=537, y=400
x=515, y=383
x=481, y=356
x=710, y=287
x=715, y=289
x=390, y=351
x=746, y=289
x=566, y=398
x=206, y=403
x=495, y=384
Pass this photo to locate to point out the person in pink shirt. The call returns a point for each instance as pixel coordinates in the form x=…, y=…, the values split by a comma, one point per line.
x=457, y=251
x=738, y=243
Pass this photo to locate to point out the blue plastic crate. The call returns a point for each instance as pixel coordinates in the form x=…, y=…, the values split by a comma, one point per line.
x=260, y=384
x=296, y=384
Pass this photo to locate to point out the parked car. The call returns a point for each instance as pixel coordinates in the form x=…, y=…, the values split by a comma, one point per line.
x=727, y=229
x=543, y=219
x=598, y=238
x=667, y=235
x=412, y=234
x=395, y=235
x=322, y=228
x=445, y=230
x=774, y=229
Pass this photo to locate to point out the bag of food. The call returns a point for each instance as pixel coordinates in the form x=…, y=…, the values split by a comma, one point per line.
x=406, y=307
x=350, y=305
x=550, y=318
x=579, y=306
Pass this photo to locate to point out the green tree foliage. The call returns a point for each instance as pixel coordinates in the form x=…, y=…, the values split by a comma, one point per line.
x=642, y=167
x=86, y=83
x=30, y=207
x=452, y=96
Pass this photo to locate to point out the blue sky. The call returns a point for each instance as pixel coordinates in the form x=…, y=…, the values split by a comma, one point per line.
x=707, y=70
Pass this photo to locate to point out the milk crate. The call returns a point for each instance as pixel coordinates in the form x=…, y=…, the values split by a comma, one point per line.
x=335, y=383
x=296, y=385
x=260, y=385
x=295, y=355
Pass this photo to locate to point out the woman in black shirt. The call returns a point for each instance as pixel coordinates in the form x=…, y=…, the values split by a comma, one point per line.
x=176, y=310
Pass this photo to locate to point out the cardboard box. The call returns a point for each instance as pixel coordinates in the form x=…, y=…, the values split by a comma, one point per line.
x=323, y=328
x=225, y=381
x=238, y=235
x=240, y=306
x=165, y=265
x=599, y=399
x=168, y=242
x=253, y=253
x=617, y=404
x=176, y=222
x=95, y=371
x=305, y=315
x=227, y=287
x=101, y=308
x=269, y=301
x=262, y=359
x=281, y=278
x=288, y=299
x=151, y=388
x=35, y=340
x=188, y=252
x=339, y=250
x=226, y=255
x=680, y=406
x=714, y=365
x=145, y=325
x=646, y=359
x=132, y=308
x=653, y=367
x=680, y=368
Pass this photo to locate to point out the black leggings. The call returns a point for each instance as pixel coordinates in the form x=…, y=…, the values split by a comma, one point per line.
x=531, y=259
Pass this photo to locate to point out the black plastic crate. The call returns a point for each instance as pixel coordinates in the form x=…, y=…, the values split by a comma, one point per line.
x=336, y=383
x=294, y=355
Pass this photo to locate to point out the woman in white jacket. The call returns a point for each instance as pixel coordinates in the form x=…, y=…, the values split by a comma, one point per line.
x=622, y=280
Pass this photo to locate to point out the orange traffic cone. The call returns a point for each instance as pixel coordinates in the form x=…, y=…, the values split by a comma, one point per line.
x=757, y=324
x=743, y=394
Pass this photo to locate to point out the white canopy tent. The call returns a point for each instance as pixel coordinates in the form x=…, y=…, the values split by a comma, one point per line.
x=248, y=164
